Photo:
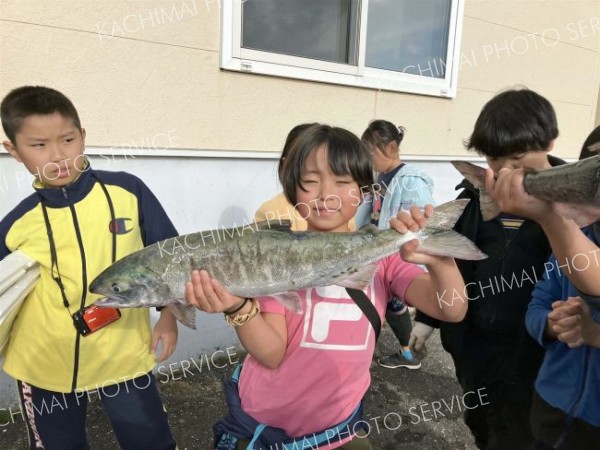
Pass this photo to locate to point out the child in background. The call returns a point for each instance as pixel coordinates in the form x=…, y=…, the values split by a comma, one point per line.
x=278, y=208
x=491, y=348
x=400, y=186
x=566, y=405
x=76, y=223
x=290, y=384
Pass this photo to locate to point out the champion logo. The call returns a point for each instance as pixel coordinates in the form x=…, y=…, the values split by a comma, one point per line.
x=119, y=225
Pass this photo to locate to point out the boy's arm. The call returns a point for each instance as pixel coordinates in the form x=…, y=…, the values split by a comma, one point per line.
x=264, y=336
x=545, y=293
x=566, y=239
x=155, y=225
x=165, y=331
x=426, y=290
x=571, y=246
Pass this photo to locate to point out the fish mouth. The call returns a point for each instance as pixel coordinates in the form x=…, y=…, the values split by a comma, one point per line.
x=112, y=302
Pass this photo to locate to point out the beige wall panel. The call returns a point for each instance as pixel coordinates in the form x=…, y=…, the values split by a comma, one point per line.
x=256, y=112
x=574, y=127
x=189, y=23
x=129, y=91
x=434, y=126
x=126, y=90
x=502, y=58
x=571, y=21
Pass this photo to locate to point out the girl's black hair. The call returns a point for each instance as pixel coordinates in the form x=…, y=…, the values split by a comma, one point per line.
x=346, y=155
x=513, y=122
x=380, y=133
x=289, y=140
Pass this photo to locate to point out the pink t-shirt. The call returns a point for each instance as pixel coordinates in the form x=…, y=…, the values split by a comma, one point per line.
x=325, y=371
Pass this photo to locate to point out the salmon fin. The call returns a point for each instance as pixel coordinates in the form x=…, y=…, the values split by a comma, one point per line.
x=476, y=176
x=290, y=300
x=452, y=244
x=445, y=216
x=275, y=225
x=185, y=313
x=583, y=215
x=356, y=278
x=369, y=228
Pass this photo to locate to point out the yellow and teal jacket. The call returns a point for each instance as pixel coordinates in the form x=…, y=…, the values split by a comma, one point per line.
x=45, y=350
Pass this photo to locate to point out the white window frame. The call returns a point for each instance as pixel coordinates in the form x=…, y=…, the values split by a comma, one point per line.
x=234, y=57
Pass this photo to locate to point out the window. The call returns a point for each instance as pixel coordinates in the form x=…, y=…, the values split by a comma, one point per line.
x=397, y=45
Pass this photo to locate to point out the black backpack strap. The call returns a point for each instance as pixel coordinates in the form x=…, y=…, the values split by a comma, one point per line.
x=368, y=309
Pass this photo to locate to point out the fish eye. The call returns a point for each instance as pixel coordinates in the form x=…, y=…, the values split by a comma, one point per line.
x=116, y=288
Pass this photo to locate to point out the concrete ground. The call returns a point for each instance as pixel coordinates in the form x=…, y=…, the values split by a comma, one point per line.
x=406, y=409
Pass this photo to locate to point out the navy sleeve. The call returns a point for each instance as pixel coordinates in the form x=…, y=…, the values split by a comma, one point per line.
x=4, y=251
x=544, y=294
x=155, y=225
x=9, y=220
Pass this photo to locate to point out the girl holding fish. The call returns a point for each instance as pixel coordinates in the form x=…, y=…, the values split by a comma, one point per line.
x=305, y=375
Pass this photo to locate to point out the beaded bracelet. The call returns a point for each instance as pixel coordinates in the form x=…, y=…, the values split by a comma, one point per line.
x=241, y=319
x=246, y=300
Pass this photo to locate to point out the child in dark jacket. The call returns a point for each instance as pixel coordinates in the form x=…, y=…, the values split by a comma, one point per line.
x=564, y=317
x=491, y=348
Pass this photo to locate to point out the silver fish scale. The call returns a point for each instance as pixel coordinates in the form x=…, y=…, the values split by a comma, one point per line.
x=269, y=262
x=577, y=183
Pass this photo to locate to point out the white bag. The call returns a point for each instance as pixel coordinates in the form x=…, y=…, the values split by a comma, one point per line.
x=18, y=276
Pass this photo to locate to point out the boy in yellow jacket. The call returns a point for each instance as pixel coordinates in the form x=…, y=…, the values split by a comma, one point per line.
x=76, y=224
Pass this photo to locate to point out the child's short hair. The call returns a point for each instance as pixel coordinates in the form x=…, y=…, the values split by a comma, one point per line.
x=380, y=133
x=26, y=101
x=289, y=140
x=346, y=155
x=514, y=121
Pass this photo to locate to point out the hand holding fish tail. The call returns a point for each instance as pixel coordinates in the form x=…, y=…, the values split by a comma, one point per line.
x=427, y=291
x=413, y=221
x=508, y=192
x=264, y=336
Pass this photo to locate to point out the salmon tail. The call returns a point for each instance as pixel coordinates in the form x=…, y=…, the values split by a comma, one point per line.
x=446, y=215
x=439, y=238
x=476, y=176
x=452, y=244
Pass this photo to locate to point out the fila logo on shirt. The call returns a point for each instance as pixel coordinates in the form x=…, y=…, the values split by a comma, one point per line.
x=333, y=325
x=120, y=225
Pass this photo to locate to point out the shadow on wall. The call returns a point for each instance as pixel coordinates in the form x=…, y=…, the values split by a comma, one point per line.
x=234, y=216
